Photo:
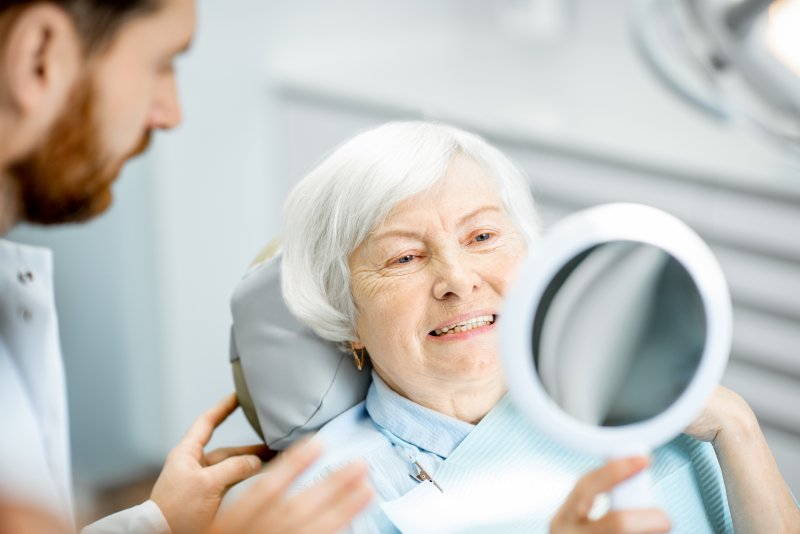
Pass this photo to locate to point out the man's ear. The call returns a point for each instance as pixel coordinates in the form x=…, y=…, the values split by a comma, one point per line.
x=41, y=60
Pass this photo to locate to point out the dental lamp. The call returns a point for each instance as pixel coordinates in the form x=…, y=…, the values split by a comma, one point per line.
x=738, y=60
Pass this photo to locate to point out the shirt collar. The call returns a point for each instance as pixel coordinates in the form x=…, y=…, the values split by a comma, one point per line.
x=417, y=425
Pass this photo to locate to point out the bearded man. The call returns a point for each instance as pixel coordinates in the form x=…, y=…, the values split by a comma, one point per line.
x=83, y=85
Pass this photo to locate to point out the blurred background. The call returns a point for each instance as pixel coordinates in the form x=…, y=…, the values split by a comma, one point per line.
x=269, y=87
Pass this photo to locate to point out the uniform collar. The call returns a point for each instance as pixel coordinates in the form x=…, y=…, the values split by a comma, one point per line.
x=426, y=429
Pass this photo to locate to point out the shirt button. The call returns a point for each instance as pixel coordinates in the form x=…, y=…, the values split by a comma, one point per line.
x=25, y=277
x=25, y=313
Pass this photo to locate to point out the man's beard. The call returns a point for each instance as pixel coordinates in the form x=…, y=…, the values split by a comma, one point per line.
x=68, y=178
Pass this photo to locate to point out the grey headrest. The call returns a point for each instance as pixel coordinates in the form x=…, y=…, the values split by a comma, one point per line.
x=290, y=381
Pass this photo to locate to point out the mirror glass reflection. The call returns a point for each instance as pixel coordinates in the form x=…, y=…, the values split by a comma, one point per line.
x=619, y=334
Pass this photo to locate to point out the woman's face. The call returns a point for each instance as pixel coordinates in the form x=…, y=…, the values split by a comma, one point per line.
x=429, y=281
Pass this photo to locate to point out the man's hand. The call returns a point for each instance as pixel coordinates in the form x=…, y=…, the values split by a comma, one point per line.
x=324, y=508
x=191, y=485
x=21, y=518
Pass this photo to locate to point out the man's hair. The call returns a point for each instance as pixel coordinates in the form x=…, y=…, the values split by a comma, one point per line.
x=97, y=20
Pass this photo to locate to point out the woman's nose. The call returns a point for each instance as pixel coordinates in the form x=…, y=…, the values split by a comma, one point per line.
x=457, y=278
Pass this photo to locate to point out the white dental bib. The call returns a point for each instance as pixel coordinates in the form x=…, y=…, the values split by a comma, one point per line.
x=507, y=477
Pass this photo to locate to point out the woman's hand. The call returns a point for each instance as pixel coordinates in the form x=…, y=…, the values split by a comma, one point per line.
x=758, y=497
x=726, y=413
x=573, y=516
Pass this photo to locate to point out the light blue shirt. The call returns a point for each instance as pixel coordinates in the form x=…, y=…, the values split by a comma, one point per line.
x=390, y=433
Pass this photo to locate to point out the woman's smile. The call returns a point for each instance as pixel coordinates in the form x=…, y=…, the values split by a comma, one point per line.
x=464, y=327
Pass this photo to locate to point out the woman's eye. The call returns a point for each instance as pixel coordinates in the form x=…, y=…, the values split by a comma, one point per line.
x=405, y=259
x=483, y=237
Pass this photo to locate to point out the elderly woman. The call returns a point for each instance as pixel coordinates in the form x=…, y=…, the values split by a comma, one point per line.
x=401, y=246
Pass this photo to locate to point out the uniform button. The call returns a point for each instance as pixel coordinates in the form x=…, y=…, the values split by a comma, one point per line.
x=25, y=313
x=24, y=277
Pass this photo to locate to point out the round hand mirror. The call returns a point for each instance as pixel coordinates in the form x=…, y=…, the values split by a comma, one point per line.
x=615, y=334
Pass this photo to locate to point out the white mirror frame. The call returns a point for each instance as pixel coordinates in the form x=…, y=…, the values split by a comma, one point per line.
x=568, y=238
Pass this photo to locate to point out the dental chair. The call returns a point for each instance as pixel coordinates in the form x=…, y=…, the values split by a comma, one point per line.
x=289, y=381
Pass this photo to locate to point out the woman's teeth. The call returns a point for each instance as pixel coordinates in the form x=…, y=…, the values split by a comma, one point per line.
x=464, y=326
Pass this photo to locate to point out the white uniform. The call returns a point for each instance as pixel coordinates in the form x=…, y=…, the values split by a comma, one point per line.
x=34, y=433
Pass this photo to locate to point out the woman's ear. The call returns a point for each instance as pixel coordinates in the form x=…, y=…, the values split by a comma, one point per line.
x=357, y=344
x=40, y=61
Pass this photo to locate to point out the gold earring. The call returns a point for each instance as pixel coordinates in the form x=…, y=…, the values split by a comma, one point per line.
x=359, y=359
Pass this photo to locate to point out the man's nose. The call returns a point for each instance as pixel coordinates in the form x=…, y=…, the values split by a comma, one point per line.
x=457, y=277
x=166, y=110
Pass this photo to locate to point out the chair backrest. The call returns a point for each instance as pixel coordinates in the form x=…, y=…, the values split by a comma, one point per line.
x=289, y=381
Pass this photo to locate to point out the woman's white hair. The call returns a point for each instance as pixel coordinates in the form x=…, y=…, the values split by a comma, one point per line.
x=333, y=209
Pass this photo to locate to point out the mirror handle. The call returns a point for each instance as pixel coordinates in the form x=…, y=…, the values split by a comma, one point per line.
x=634, y=493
